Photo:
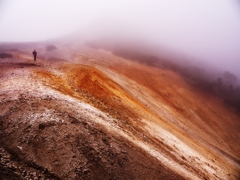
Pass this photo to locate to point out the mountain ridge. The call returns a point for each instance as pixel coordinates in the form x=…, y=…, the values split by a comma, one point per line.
x=112, y=111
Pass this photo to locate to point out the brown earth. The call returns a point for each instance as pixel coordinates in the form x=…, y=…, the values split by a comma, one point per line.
x=93, y=115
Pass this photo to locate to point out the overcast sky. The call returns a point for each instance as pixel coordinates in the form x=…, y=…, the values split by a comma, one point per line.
x=206, y=29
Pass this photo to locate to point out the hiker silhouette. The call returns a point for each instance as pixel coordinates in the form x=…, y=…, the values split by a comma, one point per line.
x=34, y=54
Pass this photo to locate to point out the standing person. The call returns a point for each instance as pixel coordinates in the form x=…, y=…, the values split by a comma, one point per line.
x=34, y=54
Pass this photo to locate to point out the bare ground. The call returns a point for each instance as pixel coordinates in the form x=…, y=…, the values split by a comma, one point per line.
x=97, y=116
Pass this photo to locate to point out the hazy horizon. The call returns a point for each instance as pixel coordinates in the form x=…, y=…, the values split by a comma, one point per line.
x=206, y=30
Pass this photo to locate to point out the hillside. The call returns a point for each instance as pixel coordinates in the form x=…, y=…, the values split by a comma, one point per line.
x=82, y=113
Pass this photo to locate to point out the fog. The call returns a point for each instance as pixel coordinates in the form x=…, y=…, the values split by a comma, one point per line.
x=205, y=30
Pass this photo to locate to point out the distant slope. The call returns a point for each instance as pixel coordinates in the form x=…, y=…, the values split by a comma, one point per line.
x=224, y=85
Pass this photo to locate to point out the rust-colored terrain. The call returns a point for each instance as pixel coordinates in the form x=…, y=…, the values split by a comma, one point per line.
x=82, y=113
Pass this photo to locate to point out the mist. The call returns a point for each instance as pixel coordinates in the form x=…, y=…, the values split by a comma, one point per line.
x=205, y=31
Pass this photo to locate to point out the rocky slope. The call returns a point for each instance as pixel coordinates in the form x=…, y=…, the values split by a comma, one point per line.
x=80, y=113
